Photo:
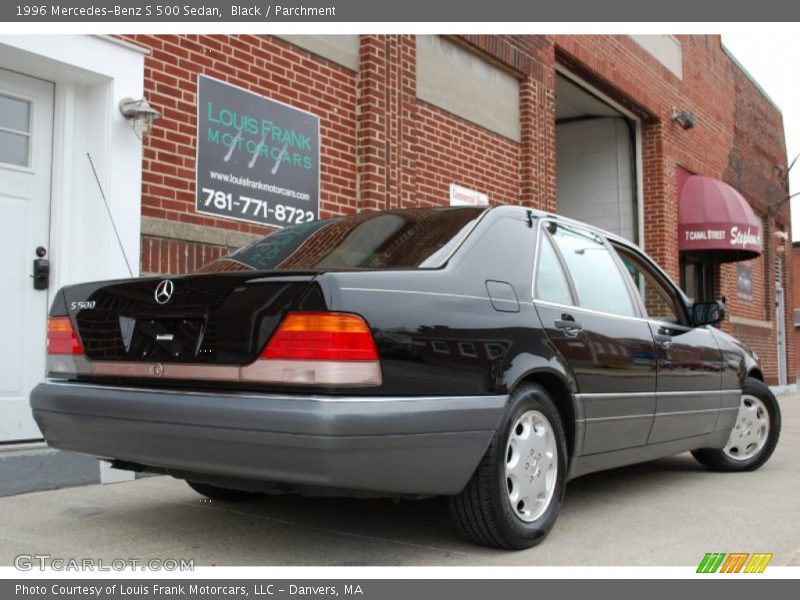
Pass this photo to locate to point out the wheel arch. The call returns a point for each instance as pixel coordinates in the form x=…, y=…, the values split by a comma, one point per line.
x=560, y=390
x=756, y=373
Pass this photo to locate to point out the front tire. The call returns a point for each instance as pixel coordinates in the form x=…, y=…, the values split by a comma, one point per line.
x=754, y=435
x=219, y=493
x=513, y=498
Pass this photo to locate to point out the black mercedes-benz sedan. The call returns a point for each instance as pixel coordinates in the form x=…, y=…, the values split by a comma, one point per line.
x=485, y=354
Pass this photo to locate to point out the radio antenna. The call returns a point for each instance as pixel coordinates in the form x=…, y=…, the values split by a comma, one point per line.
x=110, y=216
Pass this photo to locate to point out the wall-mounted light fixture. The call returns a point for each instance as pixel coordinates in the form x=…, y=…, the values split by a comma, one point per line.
x=140, y=114
x=683, y=118
x=783, y=237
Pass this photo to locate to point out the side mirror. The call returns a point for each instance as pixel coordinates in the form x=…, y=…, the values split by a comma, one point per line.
x=707, y=313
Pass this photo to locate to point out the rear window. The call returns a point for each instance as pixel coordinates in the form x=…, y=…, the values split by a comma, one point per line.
x=404, y=239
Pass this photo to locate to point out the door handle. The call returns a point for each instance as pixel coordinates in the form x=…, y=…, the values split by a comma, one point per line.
x=663, y=340
x=568, y=325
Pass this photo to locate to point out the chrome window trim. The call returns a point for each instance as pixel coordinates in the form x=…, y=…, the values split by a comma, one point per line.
x=609, y=239
x=541, y=236
x=615, y=316
x=591, y=311
x=536, y=258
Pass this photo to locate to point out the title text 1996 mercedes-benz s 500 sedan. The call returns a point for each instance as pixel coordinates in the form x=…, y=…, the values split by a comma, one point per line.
x=486, y=354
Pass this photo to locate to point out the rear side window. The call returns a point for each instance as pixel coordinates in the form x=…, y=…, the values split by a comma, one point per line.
x=551, y=281
x=409, y=239
x=597, y=279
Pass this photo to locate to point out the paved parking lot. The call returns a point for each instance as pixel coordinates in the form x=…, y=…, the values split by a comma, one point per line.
x=668, y=512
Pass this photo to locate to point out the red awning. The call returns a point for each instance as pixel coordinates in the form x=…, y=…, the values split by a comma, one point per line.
x=715, y=217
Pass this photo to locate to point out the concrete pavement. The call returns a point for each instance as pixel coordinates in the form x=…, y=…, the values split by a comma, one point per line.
x=667, y=512
x=35, y=467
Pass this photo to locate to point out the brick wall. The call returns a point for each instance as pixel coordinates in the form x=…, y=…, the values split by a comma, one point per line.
x=160, y=255
x=383, y=148
x=261, y=64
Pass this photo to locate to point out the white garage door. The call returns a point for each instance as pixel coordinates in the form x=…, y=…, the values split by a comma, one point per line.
x=595, y=176
x=26, y=148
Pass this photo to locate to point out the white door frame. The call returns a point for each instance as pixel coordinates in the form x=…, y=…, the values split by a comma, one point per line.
x=91, y=74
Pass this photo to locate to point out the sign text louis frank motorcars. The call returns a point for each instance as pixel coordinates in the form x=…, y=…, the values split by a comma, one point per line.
x=257, y=159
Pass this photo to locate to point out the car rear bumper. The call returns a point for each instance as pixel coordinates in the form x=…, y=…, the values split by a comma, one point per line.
x=392, y=445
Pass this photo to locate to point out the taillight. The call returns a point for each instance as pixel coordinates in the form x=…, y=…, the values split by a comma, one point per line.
x=318, y=348
x=61, y=337
x=321, y=336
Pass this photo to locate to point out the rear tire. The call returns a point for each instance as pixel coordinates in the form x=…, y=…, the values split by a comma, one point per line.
x=219, y=493
x=515, y=494
x=753, y=437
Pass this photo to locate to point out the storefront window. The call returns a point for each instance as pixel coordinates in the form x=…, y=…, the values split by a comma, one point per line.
x=697, y=277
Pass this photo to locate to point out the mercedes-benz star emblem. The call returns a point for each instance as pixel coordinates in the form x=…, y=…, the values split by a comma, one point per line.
x=158, y=369
x=164, y=291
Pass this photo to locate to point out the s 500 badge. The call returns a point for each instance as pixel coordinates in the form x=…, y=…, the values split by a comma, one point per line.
x=82, y=304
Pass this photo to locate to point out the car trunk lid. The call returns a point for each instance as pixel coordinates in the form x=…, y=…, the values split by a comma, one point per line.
x=210, y=319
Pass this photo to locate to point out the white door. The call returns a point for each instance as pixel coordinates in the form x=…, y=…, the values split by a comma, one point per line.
x=26, y=149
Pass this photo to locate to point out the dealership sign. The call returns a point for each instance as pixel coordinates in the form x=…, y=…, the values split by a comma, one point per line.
x=461, y=196
x=725, y=236
x=257, y=159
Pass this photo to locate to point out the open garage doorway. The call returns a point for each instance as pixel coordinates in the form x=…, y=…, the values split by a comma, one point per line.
x=597, y=160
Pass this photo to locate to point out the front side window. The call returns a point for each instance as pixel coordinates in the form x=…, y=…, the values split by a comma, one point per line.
x=659, y=301
x=598, y=281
